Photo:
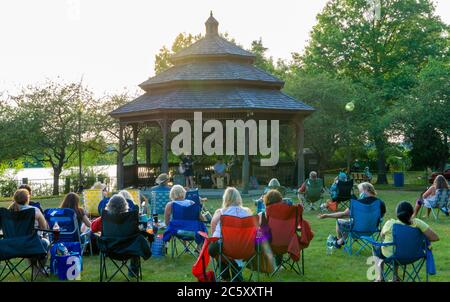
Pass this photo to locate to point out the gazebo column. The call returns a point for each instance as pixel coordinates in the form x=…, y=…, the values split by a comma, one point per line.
x=164, y=130
x=135, y=144
x=300, y=137
x=246, y=164
x=148, y=151
x=120, y=170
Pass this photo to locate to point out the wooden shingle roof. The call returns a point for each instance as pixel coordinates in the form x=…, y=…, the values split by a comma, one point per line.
x=213, y=98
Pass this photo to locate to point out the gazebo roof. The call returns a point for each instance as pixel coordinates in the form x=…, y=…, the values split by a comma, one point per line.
x=213, y=98
x=212, y=46
x=212, y=73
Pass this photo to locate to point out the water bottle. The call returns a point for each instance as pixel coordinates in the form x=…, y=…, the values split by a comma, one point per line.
x=330, y=244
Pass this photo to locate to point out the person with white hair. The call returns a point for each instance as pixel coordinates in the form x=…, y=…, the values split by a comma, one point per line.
x=177, y=195
x=129, y=198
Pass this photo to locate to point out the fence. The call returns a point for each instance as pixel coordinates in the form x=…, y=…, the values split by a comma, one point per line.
x=44, y=187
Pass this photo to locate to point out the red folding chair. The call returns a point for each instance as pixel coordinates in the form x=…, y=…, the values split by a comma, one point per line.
x=238, y=241
x=283, y=221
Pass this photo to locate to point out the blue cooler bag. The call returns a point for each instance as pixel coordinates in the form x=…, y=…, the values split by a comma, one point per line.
x=68, y=267
x=72, y=248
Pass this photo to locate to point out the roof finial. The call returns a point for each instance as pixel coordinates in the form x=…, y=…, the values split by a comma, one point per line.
x=212, y=26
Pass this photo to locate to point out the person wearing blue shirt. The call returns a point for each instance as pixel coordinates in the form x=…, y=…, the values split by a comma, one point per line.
x=161, y=183
x=220, y=171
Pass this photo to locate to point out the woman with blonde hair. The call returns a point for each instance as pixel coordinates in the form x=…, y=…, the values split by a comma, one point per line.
x=367, y=195
x=177, y=195
x=232, y=205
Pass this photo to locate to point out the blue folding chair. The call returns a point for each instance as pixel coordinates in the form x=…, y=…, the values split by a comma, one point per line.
x=410, y=253
x=184, y=227
x=194, y=195
x=69, y=228
x=365, y=221
x=158, y=201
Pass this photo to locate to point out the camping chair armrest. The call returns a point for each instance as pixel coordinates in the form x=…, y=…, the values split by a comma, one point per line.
x=86, y=233
x=376, y=243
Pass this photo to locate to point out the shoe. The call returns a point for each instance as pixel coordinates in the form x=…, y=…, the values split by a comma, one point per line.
x=445, y=211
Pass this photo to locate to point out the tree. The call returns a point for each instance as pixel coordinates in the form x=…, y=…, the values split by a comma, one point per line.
x=382, y=51
x=331, y=126
x=427, y=118
x=46, y=123
x=162, y=59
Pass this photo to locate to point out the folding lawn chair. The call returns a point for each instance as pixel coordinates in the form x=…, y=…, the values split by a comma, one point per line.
x=91, y=200
x=184, y=227
x=238, y=242
x=313, y=193
x=365, y=221
x=20, y=242
x=121, y=241
x=344, y=193
x=194, y=195
x=283, y=224
x=442, y=196
x=410, y=253
x=69, y=229
x=158, y=201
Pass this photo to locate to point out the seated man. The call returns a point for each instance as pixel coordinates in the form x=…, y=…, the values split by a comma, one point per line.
x=220, y=171
x=161, y=183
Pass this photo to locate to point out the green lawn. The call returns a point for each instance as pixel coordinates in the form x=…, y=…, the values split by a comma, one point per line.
x=318, y=266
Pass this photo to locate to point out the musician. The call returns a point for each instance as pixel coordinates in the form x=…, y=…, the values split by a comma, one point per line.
x=220, y=171
x=187, y=164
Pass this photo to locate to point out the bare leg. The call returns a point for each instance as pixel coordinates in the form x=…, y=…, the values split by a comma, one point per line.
x=416, y=210
x=213, y=178
x=428, y=212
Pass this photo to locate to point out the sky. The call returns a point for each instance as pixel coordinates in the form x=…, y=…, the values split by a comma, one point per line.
x=111, y=44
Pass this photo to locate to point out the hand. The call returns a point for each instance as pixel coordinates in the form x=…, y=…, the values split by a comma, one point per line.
x=322, y=216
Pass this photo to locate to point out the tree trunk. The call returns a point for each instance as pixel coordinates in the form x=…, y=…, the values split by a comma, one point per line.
x=56, y=174
x=381, y=163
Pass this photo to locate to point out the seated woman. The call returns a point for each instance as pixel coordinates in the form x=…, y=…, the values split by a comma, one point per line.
x=72, y=201
x=367, y=196
x=178, y=197
x=31, y=203
x=404, y=214
x=117, y=204
x=429, y=197
x=270, y=198
x=231, y=205
x=21, y=203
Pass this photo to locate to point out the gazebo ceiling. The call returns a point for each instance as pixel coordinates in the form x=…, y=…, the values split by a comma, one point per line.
x=212, y=74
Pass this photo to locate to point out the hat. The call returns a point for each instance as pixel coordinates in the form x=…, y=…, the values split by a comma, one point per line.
x=162, y=178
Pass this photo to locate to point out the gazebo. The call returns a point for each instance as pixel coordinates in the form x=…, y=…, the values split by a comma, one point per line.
x=216, y=77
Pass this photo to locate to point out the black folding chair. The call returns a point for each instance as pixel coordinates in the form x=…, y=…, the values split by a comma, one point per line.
x=345, y=193
x=121, y=242
x=19, y=244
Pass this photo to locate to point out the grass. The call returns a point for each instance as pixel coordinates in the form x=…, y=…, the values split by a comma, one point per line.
x=318, y=266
